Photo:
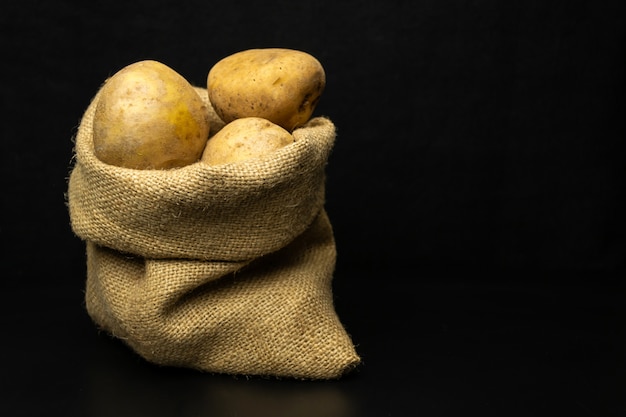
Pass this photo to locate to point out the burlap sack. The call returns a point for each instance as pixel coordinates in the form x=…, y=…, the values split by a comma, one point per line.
x=224, y=269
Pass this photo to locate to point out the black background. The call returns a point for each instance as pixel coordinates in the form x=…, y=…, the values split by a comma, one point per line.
x=476, y=190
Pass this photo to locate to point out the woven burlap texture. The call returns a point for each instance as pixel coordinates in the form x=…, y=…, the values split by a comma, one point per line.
x=225, y=269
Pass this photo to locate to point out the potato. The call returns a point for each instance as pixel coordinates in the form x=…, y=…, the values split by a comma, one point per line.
x=149, y=117
x=277, y=84
x=245, y=138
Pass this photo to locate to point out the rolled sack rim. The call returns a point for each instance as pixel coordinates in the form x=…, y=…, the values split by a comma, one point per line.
x=198, y=185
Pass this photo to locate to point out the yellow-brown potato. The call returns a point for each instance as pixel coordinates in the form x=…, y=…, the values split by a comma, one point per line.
x=149, y=117
x=277, y=84
x=245, y=138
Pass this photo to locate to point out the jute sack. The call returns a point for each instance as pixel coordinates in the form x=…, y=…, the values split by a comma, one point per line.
x=225, y=269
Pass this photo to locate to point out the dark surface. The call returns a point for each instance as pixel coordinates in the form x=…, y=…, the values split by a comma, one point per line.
x=476, y=190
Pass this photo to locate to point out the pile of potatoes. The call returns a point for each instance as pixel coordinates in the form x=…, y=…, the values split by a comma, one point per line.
x=150, y=117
